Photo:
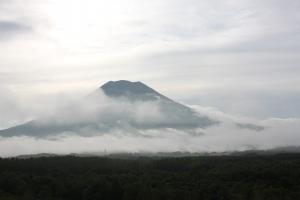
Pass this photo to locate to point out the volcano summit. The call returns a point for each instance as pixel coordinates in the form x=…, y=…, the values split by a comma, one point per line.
x=128, y=107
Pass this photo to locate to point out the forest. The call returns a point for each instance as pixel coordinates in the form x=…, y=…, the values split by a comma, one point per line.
x=185, y=178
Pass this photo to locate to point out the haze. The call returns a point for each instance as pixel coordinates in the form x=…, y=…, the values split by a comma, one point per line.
x=235, y=61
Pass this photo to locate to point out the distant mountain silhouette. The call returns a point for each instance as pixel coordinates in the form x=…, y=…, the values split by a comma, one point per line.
x=128, y=89
x=174, y=115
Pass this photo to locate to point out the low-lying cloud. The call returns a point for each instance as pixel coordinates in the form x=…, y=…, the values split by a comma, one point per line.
x=116, y=133
x=99, y=114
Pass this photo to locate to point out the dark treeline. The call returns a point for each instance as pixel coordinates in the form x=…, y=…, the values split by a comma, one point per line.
x=92, y=178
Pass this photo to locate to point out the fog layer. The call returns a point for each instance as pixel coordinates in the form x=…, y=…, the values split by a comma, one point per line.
x=123, y=125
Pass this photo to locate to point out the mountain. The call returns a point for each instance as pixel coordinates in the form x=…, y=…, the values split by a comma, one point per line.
x=130, y=107
x=179, y=116
x=131, y=90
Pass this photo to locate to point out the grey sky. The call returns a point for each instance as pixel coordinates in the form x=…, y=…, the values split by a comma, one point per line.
x=241, y=56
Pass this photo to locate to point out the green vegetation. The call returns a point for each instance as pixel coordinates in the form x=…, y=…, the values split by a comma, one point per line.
x=92, y=178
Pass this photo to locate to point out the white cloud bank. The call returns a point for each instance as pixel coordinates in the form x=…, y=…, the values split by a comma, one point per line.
x=226, y=136
x=279, y=133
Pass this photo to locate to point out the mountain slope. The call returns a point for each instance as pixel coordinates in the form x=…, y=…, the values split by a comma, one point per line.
x=132, y=90
x=180, y=116
x=130, y=107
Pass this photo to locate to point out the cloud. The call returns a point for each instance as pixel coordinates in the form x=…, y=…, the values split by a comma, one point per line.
x=11, y=27
x=241, y=57
x=250, y=126
x=195, y=47
x=98, y=114
x=116, y=133
x=217, y=139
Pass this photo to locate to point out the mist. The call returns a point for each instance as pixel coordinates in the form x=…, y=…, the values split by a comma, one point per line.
x=133, y=127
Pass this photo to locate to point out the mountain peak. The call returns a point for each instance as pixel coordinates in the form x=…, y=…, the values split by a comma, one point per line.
x=127, y=88
x=170, y=115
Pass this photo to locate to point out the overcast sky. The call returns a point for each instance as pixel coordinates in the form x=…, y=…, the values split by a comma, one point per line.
x=240, y=56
